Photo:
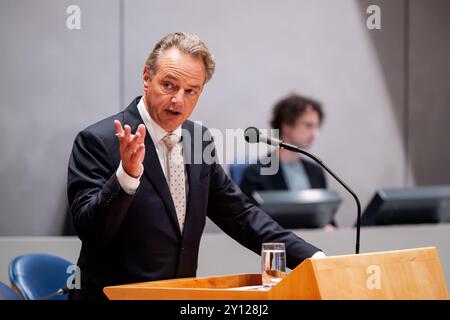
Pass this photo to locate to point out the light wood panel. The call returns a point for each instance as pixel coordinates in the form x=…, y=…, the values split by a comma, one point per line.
x=402, y=274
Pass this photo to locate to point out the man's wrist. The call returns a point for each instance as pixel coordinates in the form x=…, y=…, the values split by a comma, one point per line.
x=318, y=254
x=128, y=183
x=132, y=173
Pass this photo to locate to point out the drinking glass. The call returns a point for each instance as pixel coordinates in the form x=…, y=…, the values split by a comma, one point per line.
x=273, y=263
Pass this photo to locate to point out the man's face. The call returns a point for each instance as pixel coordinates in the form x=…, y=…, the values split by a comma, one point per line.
x=172, y=93
x=304, y=130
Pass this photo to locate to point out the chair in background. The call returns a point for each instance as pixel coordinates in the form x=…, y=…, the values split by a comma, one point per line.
x=6, y=293
x=40, y=276
x=237, y=171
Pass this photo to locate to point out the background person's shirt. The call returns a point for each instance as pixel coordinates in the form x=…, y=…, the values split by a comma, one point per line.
x=295, y=175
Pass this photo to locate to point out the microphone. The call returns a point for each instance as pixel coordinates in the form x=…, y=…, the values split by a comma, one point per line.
x=253, y=135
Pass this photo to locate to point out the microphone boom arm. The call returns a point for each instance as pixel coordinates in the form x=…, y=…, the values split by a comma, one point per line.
x=293, y=148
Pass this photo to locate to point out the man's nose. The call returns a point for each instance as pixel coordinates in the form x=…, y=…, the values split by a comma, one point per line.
x=178, y=97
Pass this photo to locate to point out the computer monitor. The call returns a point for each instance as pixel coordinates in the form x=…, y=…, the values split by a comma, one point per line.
x=313, y=208
x=429, y=204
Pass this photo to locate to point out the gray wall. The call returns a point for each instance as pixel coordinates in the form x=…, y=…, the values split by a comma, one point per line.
x=429, y=91
x=385, y=91
x=53, y=83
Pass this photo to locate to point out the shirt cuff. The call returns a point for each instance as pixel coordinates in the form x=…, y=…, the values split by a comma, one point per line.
x=318, y=254
x=127, y=182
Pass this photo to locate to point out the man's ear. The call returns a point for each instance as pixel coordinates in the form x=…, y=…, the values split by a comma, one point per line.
x=146, y=78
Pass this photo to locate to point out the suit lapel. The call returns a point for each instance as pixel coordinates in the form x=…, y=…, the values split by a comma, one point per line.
x=193, y=173
x=310, y=173
x=152, y=166
x=277, y=180
x=155, y=174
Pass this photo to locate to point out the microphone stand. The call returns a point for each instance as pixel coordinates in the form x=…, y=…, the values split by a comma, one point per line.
x=296, y=149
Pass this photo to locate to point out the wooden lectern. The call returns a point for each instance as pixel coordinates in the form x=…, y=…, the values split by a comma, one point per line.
x=402, y=274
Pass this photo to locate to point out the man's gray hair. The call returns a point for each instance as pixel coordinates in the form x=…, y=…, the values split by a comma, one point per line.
x=187, y=43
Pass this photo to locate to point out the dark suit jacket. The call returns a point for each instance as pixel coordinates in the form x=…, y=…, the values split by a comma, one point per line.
x=133, y=238
x=253, y=181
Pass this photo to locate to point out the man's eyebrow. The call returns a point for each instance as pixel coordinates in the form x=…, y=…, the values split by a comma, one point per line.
x=169, y=77
x=195, y=86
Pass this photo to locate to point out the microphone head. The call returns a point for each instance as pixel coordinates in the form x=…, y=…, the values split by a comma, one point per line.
x=251, y=135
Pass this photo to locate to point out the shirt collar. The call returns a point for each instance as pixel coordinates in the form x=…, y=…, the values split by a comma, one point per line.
x=155, y=131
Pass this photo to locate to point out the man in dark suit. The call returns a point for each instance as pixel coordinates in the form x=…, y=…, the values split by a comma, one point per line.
x=139, y=202
x=298, y=119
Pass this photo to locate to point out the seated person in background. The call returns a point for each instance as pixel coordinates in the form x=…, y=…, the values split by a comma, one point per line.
x=298, y=120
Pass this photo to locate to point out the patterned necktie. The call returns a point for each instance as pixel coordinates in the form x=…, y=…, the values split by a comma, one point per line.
x=176, y=176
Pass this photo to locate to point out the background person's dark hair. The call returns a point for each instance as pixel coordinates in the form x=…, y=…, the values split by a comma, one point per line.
x=289, y=109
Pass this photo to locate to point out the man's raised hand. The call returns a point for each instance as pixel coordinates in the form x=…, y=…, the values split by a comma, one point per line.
x=132, y=148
